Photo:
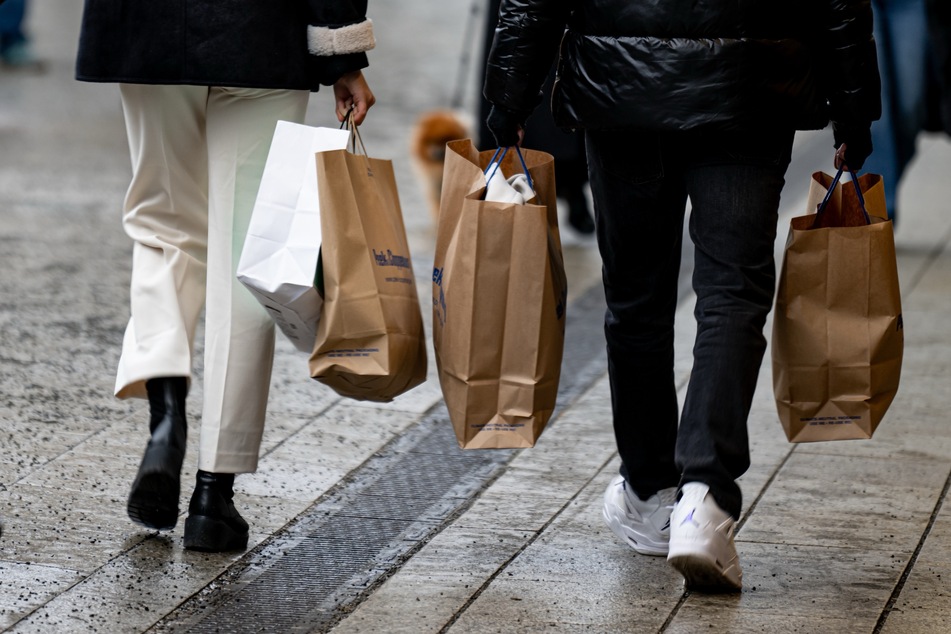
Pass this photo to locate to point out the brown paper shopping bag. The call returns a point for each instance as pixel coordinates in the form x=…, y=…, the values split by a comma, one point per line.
x=837, y=330
x=370, y=340
x=499, y=293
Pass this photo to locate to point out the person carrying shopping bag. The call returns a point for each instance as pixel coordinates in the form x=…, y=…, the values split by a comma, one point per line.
x=687, y=101
x=203, y=85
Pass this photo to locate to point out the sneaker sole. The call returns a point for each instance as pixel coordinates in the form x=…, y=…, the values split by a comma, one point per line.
x=704, y=575
x=209, y=535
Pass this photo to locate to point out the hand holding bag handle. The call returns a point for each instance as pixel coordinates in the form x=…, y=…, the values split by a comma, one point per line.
x=356, y=145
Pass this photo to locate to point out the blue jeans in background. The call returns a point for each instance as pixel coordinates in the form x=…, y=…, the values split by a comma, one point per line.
x=11, y=24
x=901, y=40
x=641, y=182
x=12, y=38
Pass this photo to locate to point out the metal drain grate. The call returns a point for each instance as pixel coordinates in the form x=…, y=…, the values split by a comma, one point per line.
x=311, y=574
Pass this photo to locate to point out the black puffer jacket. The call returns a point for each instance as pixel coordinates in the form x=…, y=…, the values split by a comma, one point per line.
x=688, y=64
x=296, y=44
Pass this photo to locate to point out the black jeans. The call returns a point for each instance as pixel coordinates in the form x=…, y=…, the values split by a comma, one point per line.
x=641, y=182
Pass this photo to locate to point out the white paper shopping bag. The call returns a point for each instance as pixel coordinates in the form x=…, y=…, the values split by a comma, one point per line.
x=279, y=258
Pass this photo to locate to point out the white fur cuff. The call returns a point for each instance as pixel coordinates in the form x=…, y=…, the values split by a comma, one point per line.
x=324, y=41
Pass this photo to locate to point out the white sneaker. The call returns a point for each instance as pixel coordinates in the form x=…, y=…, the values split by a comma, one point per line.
x=644, y=525
x=701, y=542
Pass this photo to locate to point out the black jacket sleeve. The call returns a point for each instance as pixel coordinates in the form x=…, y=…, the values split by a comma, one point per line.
x=525, y=45
x=850, y=73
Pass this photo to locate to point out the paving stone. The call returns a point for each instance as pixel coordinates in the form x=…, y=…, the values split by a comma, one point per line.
x=75, y=530
x=799, y=588
x=528, y=606
x=924, y=606
x=436, y=583
x=846, y=501
x=26, y=587
x=130, y=593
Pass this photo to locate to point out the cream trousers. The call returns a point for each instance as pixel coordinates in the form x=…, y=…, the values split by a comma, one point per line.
x=197, y=158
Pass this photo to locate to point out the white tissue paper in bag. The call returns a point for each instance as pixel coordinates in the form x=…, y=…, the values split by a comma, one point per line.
x=514, y=189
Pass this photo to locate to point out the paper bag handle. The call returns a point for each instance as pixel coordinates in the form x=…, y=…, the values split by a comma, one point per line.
x=354, y=130
x=498, y=165
x=355, y=138
x=858, y=191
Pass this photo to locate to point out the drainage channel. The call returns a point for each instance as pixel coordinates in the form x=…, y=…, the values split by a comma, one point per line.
x=315, y=571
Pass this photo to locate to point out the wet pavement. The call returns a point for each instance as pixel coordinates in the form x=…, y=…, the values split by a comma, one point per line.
x=369, y=518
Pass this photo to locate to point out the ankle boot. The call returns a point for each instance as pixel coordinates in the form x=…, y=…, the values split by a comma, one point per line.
x=213, y=523
x=153, y=501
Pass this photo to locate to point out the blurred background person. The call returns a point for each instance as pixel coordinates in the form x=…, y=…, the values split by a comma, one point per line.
x=907, y=71
x=16, y=52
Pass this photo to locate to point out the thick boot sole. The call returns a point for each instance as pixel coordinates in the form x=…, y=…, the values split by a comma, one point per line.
x=705, y=575
x=210, y=535
x=153, y=500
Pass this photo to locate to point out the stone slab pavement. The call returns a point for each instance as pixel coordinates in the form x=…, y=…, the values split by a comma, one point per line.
x=836, y=537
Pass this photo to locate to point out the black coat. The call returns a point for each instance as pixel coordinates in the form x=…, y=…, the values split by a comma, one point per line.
x=240, y=43
x=682, y=64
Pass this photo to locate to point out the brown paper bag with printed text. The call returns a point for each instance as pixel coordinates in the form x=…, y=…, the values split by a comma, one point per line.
x=837, y=329
x=370, y=340
x=499, y=293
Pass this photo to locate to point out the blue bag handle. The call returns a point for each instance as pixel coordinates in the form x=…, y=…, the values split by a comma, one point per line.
x=858, y=191
x=503, y=151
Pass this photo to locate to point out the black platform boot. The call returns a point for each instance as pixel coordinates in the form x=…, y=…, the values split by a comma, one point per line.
x=213, y=524
x=153, y=501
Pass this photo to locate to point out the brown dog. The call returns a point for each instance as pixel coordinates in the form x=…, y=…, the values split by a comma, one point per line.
x=431, y=133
